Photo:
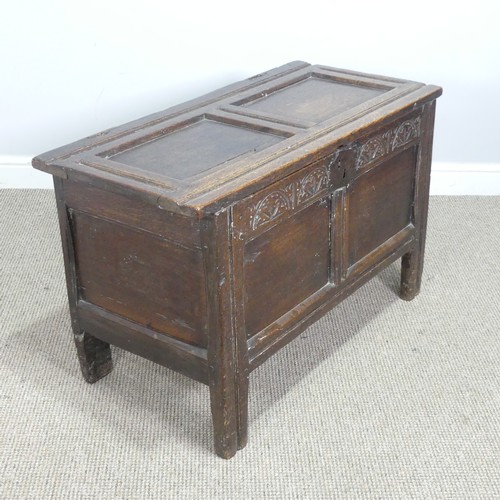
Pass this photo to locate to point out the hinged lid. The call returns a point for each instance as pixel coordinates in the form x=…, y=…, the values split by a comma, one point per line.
x=205, y=154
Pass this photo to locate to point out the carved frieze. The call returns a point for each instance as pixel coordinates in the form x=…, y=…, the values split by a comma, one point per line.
x=303, y=189
x=382, y=144
x=290, y=196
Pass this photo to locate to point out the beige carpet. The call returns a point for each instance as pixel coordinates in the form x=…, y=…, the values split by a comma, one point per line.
x=379, y=399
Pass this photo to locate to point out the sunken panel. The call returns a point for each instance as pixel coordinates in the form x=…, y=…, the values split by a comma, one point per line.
x=142, y=277
x=196, y=148
x=313, y=99
x=285, y=265
x=380, y=204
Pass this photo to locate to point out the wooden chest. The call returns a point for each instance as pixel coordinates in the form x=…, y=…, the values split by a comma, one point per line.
x=207, y=236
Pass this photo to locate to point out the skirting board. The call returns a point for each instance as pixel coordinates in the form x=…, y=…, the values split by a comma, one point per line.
x=451, y=179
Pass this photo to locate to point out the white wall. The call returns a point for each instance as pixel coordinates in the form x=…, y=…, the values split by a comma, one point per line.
x=72, y=68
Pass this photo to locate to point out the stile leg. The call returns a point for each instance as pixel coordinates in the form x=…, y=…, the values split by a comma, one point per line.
x=229, y=414
x=94, y=356
x=411, y=274
x=227, y=357
x=242, y=411
x=412, y=263
x=224, y=411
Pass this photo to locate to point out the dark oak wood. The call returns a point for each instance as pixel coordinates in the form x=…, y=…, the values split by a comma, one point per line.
x=378, y=204
x=222, y=349
x=162, y=349
x=216, y=142
x=299, y=244
x=93, y=353
x=412, y=262
x=208, y=236
x=141, y=277
x=312, y=99
x=128, y=211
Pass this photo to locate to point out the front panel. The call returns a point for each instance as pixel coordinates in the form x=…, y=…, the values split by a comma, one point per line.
x=379, y=204
x=310, y=237
x=285, y=265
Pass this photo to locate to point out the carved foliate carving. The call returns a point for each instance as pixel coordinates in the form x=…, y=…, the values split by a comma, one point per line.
x=312, y=184
x=373, y=149
x=271, y=207
x=406, y=132
x=288, y=197
x=380, y=145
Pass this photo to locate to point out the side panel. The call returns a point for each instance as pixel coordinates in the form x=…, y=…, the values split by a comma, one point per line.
x=132, y=212
x=129, y=263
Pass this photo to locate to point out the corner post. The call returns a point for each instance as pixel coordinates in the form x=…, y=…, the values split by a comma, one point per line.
x=94, y=354
x=412, y=262
x=228, y=385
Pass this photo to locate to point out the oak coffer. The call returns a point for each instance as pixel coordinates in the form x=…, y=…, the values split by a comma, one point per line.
x=207, y=236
